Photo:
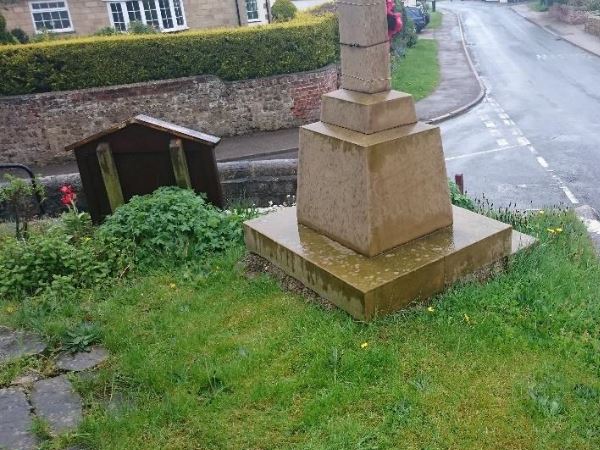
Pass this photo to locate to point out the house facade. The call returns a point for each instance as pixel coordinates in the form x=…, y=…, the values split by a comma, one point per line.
x=85, y=17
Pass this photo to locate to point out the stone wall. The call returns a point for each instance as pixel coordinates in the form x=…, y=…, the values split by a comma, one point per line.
x=258, y=183
x=592, y=25
x=568, y=14
x=34, y=129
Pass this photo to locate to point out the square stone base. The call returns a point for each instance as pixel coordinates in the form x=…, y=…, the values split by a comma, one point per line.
x=367, y=287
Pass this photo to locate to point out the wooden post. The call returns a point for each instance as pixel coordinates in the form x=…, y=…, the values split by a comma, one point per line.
x=110, y=176
x=460, y=182
x=179, y=162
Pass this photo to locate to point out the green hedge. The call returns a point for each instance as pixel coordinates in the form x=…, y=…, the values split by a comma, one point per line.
x=231, y=54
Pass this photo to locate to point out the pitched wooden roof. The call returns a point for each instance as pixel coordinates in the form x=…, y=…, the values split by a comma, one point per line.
x=157, y=124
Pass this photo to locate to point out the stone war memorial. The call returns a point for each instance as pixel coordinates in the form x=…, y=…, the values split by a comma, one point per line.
x=374, y=228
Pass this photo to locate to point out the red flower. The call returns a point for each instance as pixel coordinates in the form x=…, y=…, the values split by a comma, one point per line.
x=68, y=196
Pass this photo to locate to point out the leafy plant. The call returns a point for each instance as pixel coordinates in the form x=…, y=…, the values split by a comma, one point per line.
x=18, y=194
x=283, y=10
x=81, y=337
x=76, y=224
x=54, y=262
x=458, y=198
x=106, y=31
x=137, y=27
x=5, y=36
x=20, y=35
x=173, y=224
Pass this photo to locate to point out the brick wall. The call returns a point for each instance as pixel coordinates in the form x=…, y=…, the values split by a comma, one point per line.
x=34, y=129
x=592, y=25
x=568, y=14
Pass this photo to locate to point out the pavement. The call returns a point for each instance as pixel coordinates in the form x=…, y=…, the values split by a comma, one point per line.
x=574, y=34
x=459, y=89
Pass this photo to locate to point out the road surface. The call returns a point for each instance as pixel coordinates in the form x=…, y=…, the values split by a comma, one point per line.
x=535, y=140
x=306, y=4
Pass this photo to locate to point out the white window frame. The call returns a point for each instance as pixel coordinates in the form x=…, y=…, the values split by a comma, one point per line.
x=159, y=15
x=258, y=19
x=61, y=30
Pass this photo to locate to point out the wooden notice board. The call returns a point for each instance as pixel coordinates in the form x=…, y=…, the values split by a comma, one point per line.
x=140, y=155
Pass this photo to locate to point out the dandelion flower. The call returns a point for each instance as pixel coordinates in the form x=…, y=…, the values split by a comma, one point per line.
x=431, y=309
x=172, y=285
x=551, y=230
x=364, y=345
x=558, y=230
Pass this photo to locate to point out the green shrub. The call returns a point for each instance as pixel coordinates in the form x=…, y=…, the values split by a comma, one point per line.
x=173, y=224
x=459, y=199
x=232, y=54
x=20, y=35
x=137, y=27
x=5, y=36
x=283, y=10
x=107, y=31
x=18, y=194
x=53, y=261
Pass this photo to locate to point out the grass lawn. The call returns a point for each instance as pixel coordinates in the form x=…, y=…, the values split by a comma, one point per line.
x=418, y=72
x=538, y=6
x=203, y=357
x=435, y=20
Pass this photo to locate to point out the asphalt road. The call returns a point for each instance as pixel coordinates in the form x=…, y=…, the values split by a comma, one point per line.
x=535, y=140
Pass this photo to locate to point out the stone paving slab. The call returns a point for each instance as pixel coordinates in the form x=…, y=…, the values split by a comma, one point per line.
x=17, y=344
x=82, y=360
x=15, y=421
x=56, y=402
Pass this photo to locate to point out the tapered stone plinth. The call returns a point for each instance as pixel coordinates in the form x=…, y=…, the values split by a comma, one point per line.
x=372, y=192
x=374, y=228
x=368, y=287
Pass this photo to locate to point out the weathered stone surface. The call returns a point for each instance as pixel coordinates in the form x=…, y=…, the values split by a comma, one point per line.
x=366, y=69
x=15, y=421
x=372, y=192
x=82, y=360
x=368, y=113
x=362, y=22
x=369, y=286
x=26, y=381
x=17, y=344
x=55, y=401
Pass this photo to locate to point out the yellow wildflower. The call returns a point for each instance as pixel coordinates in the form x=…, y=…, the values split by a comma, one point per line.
x=364, y=345
x=172, y=285
x=541, y=213
x=558, y=230
x=431, y=309
x=10, y=309
x=551, y=230
x=467, y=319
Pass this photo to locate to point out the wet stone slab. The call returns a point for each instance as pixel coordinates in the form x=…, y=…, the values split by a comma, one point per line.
x=56, y=402
x=15, y=421
x=83, y=360
x=17, y=344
